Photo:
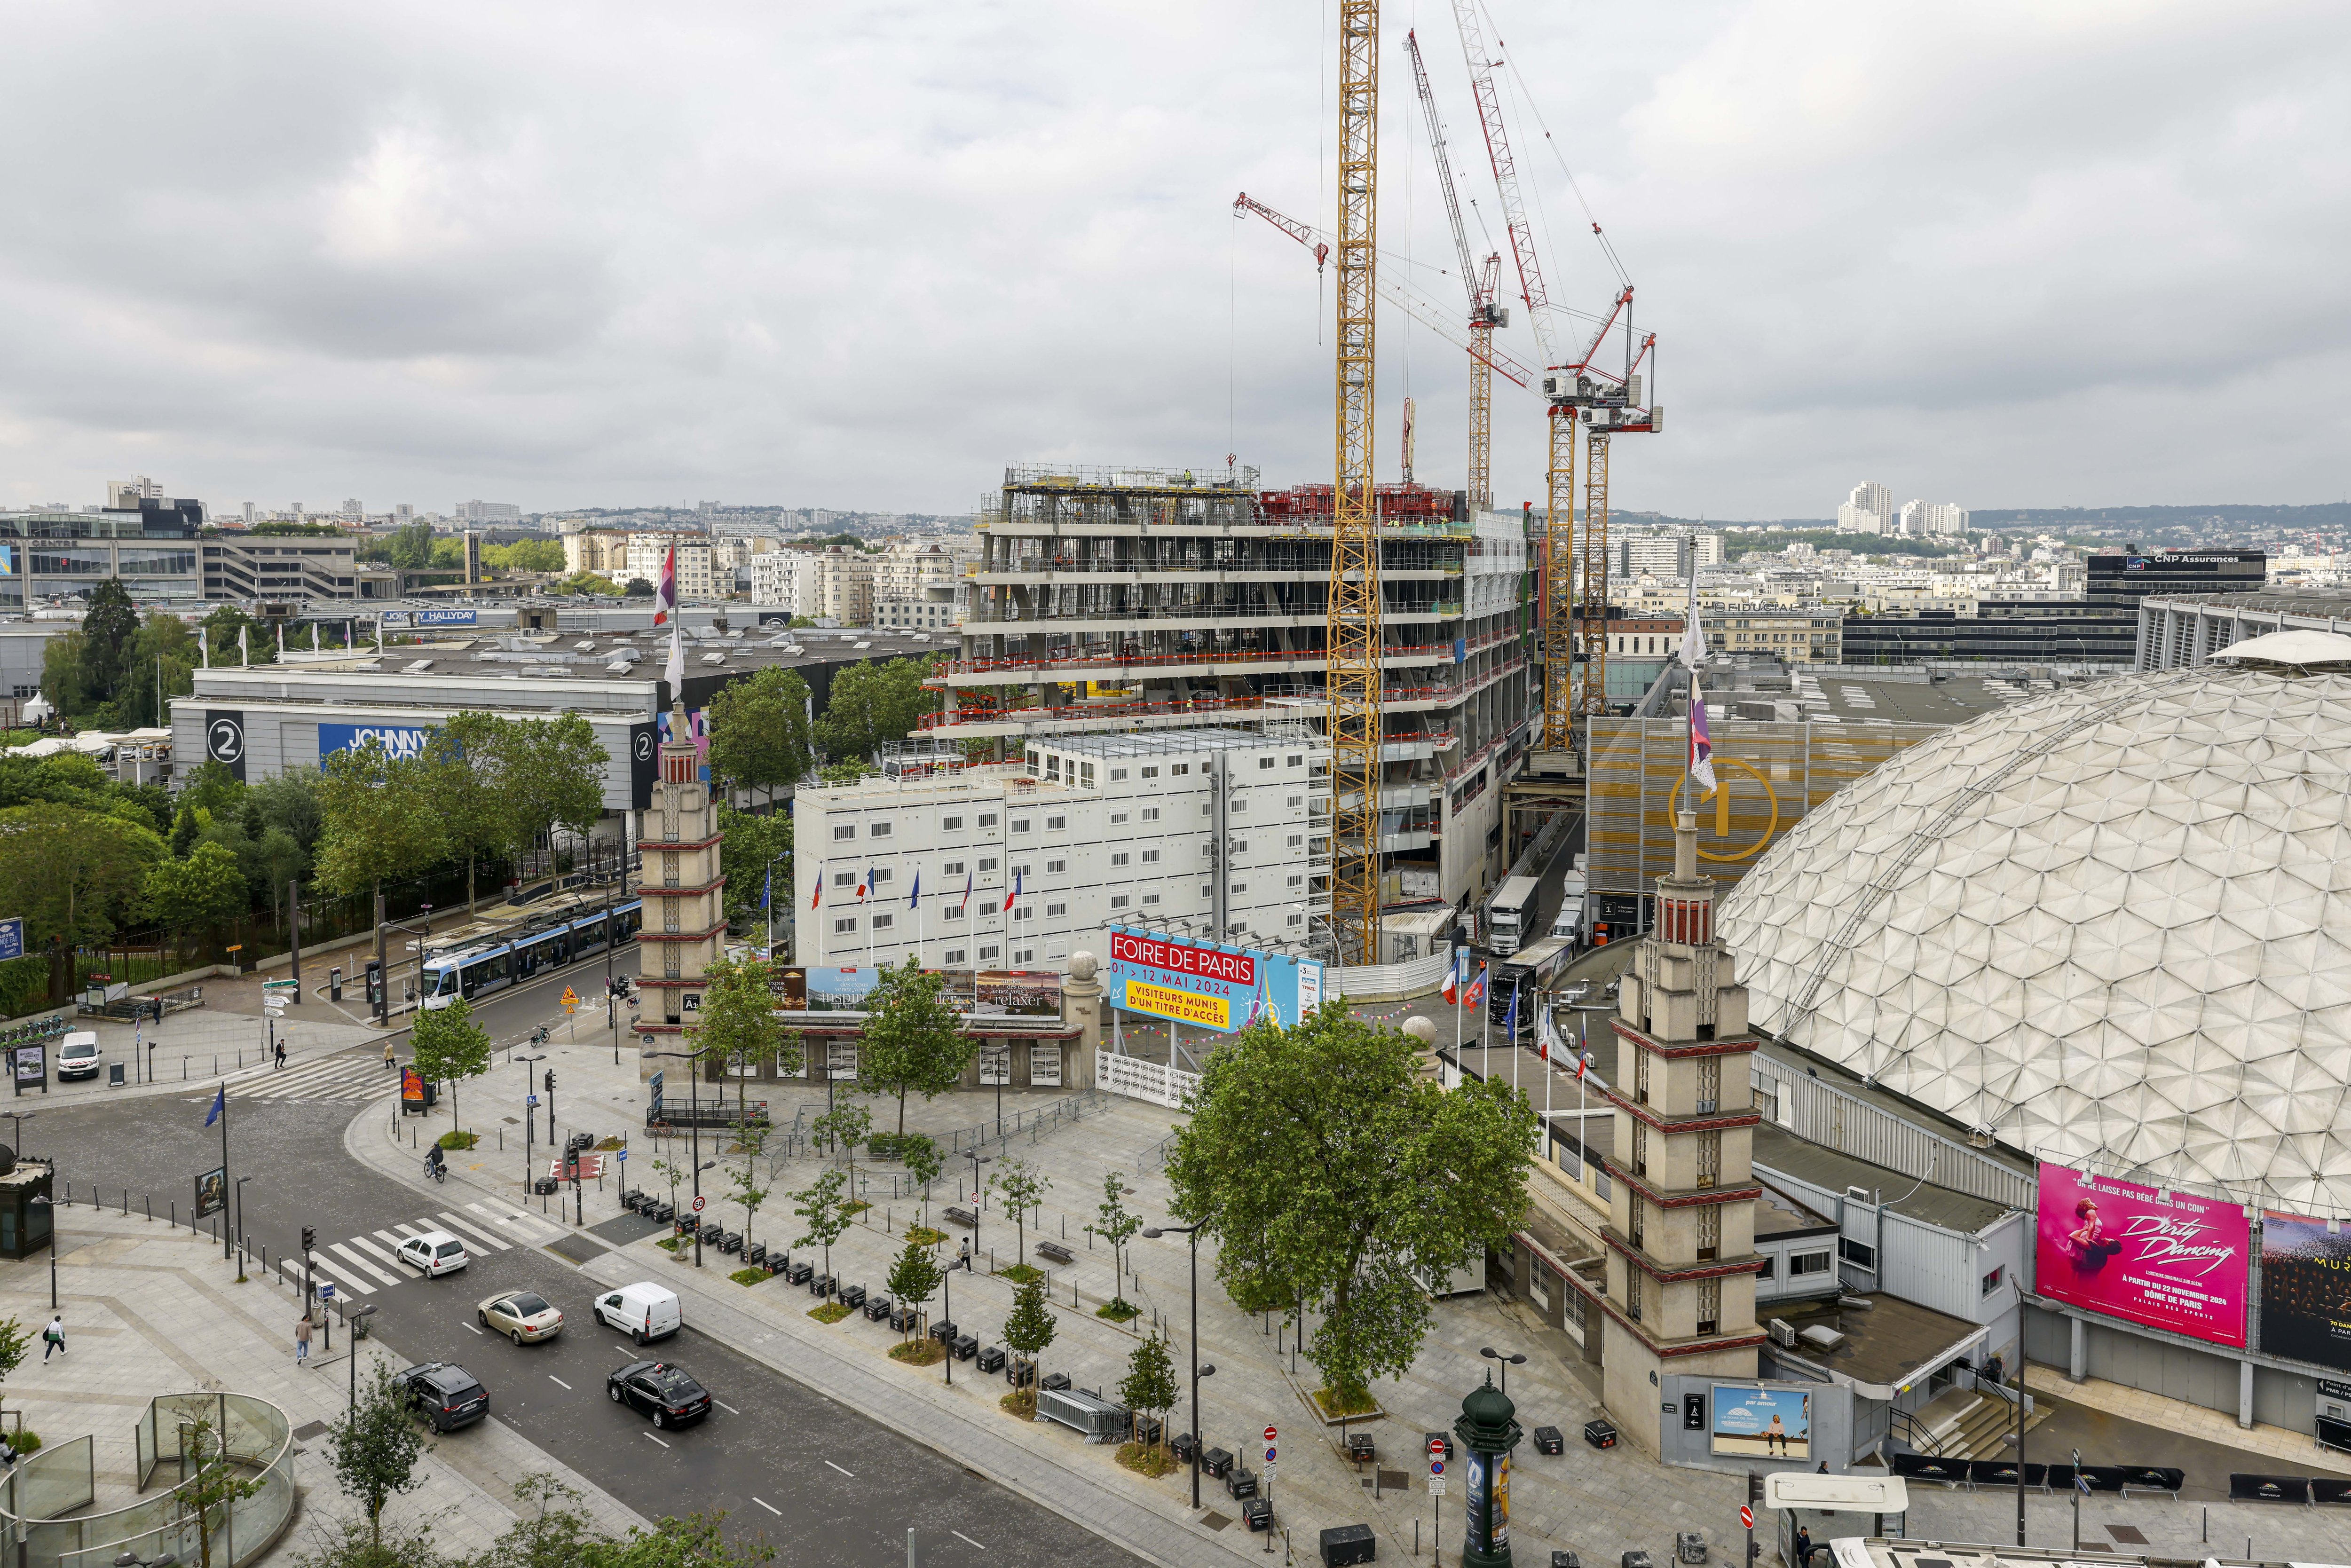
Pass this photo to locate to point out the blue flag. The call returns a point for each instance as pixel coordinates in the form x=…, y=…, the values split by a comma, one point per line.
x=915, y=899
x=767, y=888
x=220, y=1106
x=1511, y=1019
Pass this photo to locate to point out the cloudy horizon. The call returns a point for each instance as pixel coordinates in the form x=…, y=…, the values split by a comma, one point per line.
x=2005, y=254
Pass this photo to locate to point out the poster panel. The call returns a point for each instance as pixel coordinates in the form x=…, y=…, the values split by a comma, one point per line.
x=2168, y=1259
x=1208, y=986
x=212, y=1192
x=2306, y=1291
x=1754, y=1422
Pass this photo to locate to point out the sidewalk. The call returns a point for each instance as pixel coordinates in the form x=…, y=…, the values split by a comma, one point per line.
x=151, y=1310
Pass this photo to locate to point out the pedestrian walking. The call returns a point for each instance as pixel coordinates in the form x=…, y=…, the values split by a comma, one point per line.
x=387, y=1061
x=281, y=1054
x=53, y=1338
x=302, y=1339
x=1803, y=1547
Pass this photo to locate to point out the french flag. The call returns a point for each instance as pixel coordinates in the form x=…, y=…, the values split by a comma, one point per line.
x=866, y=886
x=1015, y=892
x=665, y=598
x=816, y=897
x=1453, y=978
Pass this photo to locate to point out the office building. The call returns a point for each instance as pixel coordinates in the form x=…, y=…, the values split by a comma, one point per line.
x=2128, y=578
x=2025, y=632
x=488, y=512
x=1218, y=833
x=163, y=553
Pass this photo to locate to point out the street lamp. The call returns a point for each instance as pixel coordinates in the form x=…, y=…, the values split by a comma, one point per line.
x=1199, y=1372
x=16, y=1131
x=527, y=1059
x=240, y=1227
x=354, y=1324
x=977, y=1161
x=42, y=1200
x=1490, y=1354
x=947, y=1308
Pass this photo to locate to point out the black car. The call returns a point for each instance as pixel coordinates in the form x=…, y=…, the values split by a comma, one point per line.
x=447, y=1395
x=660, y=1390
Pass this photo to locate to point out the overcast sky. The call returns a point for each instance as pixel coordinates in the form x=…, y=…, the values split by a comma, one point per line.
x=863, y=254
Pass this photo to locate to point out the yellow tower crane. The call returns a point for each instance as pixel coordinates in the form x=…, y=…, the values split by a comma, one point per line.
x=1353, y=635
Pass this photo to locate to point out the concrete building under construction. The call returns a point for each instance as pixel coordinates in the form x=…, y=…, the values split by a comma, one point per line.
x=1110, y=599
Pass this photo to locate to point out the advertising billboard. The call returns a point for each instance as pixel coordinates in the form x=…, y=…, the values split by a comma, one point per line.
x=2306, y=1291
x=398, y=740
x=991, y=993
x=393, y=618
x=1754, y=1422
x=2166, y=1259
x=1222, y=989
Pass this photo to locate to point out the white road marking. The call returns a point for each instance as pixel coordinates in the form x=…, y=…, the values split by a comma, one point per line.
x=357, y=1282
x=851, y=1474
x=372, y=1250
x=657, y=1440
x=475, y=1231
x=728, y=1408
x=959, y=1535
x=771, y=1508
x=476, y=1328
x=558, y=1383
x=360, y=1262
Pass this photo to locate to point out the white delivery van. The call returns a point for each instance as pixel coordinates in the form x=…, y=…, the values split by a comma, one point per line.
x=643, y=1311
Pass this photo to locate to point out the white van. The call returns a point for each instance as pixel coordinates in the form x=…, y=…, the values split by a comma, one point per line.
x=78, y=1056
x=643, y=1311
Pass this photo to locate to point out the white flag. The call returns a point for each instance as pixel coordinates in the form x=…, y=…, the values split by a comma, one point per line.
x=674, y=671
x=1693, y=652
x=1702, y=749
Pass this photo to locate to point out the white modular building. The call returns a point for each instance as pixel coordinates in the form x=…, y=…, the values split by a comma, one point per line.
x=1220, y=833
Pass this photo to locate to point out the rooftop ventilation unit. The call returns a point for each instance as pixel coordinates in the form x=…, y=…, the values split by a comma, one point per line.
x=418, y=668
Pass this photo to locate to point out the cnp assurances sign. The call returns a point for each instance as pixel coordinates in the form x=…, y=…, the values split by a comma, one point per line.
x=1206, y=985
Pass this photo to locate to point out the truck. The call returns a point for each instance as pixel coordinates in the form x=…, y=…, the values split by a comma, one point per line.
x=1569, y=923
x=1507, y=913
x=1528, y=974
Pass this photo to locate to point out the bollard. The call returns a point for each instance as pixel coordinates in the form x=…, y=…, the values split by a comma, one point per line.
x=150, y=1209
x=126, y=1203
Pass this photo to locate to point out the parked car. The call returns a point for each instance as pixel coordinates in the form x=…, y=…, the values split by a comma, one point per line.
x=643, y=1311
x=523, y=1316
x=78, y=1057
x=447, y=1395
x=436, y=1252
x=660, y=1390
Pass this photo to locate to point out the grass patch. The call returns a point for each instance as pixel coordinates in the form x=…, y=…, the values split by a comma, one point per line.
x=925, y=1235
x=919, y=1352
x=1022, y=1273
x=831, y=1312
x=458, y=1140
x=611, y=1143
x=1020, y=1402
x=748, y=1276
x=1334, y=1404
x=860, y=1206
x=25, y=1442
x=1118, y=1312
x=1148, y=1459
x=671, y=1243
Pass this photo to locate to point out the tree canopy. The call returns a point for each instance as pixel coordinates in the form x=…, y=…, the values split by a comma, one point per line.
x=72, y=873
x=872, y=702
x=759, y=736
x=1330, y=1171
x=913, y=1041
x=382, y=819
x=755, y=840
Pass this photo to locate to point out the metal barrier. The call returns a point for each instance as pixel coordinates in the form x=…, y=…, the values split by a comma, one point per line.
x=256, y=1437
x=1148, y=1081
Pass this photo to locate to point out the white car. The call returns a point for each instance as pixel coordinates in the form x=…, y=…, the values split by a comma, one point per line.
x=78, y=1056
x=435, y=1252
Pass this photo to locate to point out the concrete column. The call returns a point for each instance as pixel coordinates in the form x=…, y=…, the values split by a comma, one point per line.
x=1081, y=1001
x=2245, y=1394
x=2077, y=1357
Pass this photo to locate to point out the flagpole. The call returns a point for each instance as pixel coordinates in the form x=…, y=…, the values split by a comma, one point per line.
x=1457, y=988
x=1485, y=1030
x=227, y=1240
x=1512, y=1043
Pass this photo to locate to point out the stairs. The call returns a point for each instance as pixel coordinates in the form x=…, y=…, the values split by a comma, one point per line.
x=1962, y=1424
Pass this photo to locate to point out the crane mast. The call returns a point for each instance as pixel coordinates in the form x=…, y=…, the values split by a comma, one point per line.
x=1353, y=633
x=1557, y=609
x=1484, y=314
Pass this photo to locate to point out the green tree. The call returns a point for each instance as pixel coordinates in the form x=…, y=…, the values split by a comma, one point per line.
x=760, y=736
x=872, y=702
x=348, y=1545
x=291, y=801
x=913, y=1041
x=748, y=1194
x=820, y=1207
x=754, y=841
x=215, y=1484
x=107, y=630
x=375, y=1448
x=801, y=623
x=550, y=774
x=1331, y=1172
x=210, y=785
x=919, y=1153
x=464, y=757
x=525, y=555
x=380, y=819
x=221, y=628
x=1116, y=1225
x=694, y=1542
x=587, y=582
x=410, y=549
x=914, y=1277
x=1149, y=1384
x=553, y=1532
x=848, y=772
x=206, y=889
x=72, y=873
x=840, y=1130
x=738, y=1023
x=449, y=1044
x=1029, y=1328
x=186, y=829
x=276, y=859
x=163, y=647
x=14, y=1344
x=1019, y=1187
x=65, y=674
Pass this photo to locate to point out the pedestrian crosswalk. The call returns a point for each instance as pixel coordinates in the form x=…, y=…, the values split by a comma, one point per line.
x=367, y=1263
x=352, y=1075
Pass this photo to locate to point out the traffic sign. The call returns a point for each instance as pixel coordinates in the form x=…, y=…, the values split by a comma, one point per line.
x=1437, y=1486
x=697, y=1205
x=1270, y=1434
x=1745, y=1517
x=531, y=1100
x=1436, y=1467
x=1269, y=1453
x=570, y=997
x=624, y=1157
x=326, y=1290
x=1437, y=1446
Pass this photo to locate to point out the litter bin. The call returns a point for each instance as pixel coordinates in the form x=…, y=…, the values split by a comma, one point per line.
x=114, y=1079
x=335, y=984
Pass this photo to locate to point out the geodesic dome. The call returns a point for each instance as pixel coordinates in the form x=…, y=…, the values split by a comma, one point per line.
x=2111, y=924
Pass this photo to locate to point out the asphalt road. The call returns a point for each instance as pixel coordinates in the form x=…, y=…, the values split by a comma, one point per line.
x=820, y=1482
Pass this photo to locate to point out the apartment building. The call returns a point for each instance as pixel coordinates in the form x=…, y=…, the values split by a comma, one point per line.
x=919, y=586
x=697, y=571
x=786, y=580
x=1810, y=635
x=604, y=551
x=1221, y=833
x=844, y=587
x=1137, y=599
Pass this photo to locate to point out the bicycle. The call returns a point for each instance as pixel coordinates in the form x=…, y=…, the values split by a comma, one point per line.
x=436, y=1170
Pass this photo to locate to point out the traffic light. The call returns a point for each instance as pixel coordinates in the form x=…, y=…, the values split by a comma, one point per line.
x=310, y=1239
x=550, y=1081
x=1754, y=1487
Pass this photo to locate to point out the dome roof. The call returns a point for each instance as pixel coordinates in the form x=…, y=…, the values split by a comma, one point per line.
x=2113, y=924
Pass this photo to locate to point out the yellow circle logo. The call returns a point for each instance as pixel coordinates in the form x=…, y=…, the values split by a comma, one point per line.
x=1720, y=796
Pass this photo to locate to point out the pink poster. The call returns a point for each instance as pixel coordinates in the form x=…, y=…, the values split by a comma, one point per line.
x=2172, y=1262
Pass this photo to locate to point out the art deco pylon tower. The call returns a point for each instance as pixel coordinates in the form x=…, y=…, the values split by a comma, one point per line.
x=1681, y=1232
x=685, y=915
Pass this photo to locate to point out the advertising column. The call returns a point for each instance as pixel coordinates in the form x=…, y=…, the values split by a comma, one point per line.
x=1488, y=1431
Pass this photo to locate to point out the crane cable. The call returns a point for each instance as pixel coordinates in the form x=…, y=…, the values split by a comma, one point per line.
x=1526, y=95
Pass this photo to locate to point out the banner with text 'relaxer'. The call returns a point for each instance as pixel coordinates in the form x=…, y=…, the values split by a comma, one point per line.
x=2166, y=1259
x=1208, y=986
